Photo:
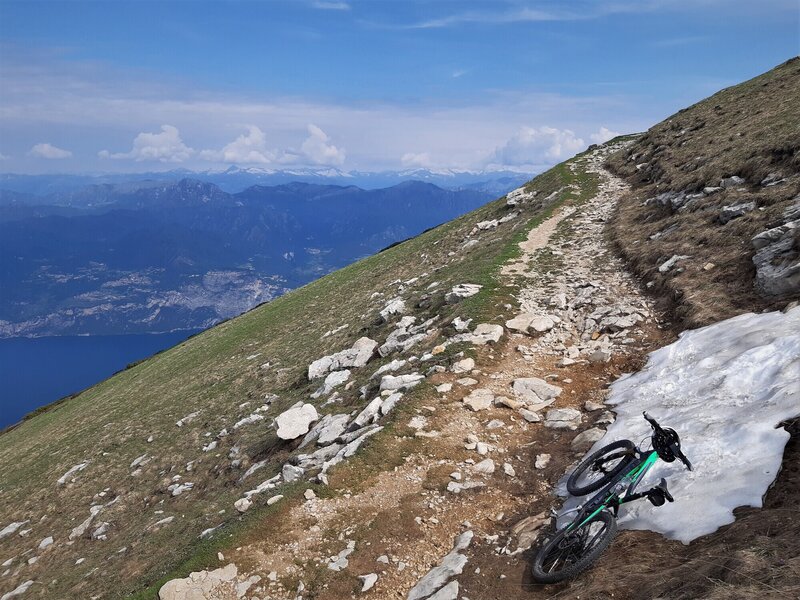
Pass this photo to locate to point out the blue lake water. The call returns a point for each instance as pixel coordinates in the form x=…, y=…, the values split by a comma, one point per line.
x=38, y=371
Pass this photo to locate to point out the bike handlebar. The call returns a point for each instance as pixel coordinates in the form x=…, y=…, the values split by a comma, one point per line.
x=675, y=448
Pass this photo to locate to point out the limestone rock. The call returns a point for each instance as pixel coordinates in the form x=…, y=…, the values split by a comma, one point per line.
x=395, y=306
x=668, y=264
x=485, y=467
x=563, y=418
x=400, y=382
x=734, y=211
x=529, y=415
x=535, y=393
x=200, y=585
x=461, y=291
x=356, y=356
x=368, y=581
x=335, y=427
x=296, y=421
x=586, y=438
x=479, y=399
x=243, y=504
x=463, y=366
x=483, y=334
x=541, y=462
x=291, y=473
x=732, y=181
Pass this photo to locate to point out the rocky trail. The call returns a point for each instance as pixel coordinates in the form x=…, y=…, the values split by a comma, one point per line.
x=469, y=474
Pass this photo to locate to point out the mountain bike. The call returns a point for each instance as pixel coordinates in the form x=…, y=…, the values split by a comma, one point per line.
x=616, y=470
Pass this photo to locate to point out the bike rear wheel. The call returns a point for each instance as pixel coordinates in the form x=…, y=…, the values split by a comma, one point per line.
x=569, y=554
x=600, y=467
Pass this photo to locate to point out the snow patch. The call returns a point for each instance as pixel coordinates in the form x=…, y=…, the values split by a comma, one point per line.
x=724, y=388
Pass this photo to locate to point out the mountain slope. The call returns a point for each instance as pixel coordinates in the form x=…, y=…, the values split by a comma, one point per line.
x=502, y=406
x=706, y=181
x=217, y=375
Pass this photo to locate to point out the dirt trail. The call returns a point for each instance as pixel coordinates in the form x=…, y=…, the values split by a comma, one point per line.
x=404, y=521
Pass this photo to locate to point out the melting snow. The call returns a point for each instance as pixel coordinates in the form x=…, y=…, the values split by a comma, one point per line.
x=724, y=388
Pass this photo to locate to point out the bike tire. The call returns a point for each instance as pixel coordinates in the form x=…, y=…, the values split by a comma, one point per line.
x=572, y=482
x=539, y=570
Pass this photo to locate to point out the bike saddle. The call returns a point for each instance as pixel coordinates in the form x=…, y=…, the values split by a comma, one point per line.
x=660, y=494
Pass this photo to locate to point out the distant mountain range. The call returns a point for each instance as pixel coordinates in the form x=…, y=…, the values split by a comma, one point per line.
x=152, y=256
x=235, y=179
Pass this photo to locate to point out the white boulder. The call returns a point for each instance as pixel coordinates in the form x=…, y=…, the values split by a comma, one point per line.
x=296, y=421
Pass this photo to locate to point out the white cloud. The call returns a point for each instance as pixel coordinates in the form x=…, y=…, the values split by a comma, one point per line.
x=537, y=146
x=166, y=146
x=248, y=148
x=603, y=135
x=45, y=150
x=317, y=150
x=411, y=159
x=328, y=5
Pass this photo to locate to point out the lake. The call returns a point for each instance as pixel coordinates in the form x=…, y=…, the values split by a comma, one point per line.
x=38, y=371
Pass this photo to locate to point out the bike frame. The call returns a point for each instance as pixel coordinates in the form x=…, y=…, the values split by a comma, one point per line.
x=618, y=491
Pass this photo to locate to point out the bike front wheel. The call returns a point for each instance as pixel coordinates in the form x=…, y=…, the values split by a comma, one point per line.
x=600, y=467
x=570, y=553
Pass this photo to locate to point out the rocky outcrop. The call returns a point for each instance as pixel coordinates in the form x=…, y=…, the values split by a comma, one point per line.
x=461, y=291
x=777, y=257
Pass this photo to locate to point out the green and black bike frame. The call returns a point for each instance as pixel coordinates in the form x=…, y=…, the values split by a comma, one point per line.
x=618, y=491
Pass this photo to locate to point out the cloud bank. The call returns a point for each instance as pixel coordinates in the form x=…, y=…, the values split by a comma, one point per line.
x=45, y=150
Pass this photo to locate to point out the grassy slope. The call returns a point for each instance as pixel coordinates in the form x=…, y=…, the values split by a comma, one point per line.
x=750, y=130
x=110, y=423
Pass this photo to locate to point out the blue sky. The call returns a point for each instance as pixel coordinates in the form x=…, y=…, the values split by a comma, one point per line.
x=357, y=84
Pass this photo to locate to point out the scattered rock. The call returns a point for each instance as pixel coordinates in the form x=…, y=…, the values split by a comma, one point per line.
x=356, y=356
x=592, y=406
x=400, y=382
x=535, y=393
x=460, y=324
x=243, y=504
x=527, y=530
x=296, y=421
x=668, y=264
x=483, y=334
x=368, y=581
x=461, y=291
x=586, y=438
x=396, y=306
x=734, y=211
x=506, y=402
x=18, y=591
x=309, y=494
x=485, y=467
x=563, y=418
x=291, y=473
x=72, y=471
x=46, y=543
x=541, y=462
x=600, y=355
x=451, y=565
x=732, y=181
x=777, y=259
x=444, y=388
x=335, y=427
x=219, y=583
x=332, y=381
x=479, y=399
x=274, y=499
x=463, y=366
x=529, y=415
x=509, y=470
x=12, y=528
